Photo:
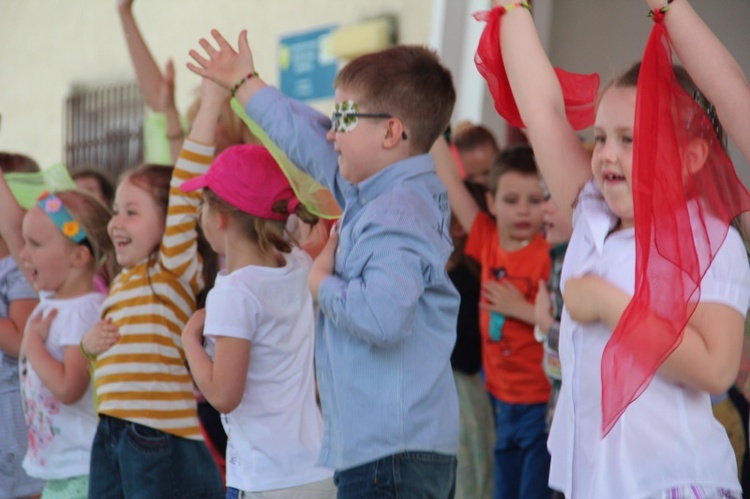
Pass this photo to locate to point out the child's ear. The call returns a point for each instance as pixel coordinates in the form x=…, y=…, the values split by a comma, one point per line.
x=223, y=221
x=695, y=155
x=394, y=134
x=81, y=256
x=490, y=198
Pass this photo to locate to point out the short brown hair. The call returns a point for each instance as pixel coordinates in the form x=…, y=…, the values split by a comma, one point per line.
x=105, y=185
x=519, y=159
x=467, y=136
x=407, y=82
x=17, y=163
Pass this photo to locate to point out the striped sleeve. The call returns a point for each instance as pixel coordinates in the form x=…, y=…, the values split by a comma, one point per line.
x=180, y=242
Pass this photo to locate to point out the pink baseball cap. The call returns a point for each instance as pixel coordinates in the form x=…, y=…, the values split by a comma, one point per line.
x=247, y=177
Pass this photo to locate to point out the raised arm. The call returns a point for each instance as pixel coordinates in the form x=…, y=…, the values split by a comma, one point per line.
x=295, y=128
x=175, y=135
x=233, y=70
x=712, y=67
x=180, y=242
x=463, y=206
x=563, y=161
x=146, y=70
x=11, y=223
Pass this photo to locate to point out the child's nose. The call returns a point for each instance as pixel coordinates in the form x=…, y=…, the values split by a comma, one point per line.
x=331, y=135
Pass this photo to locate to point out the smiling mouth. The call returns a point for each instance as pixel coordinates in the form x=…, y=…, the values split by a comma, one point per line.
x=121, y=244
x=613, y=177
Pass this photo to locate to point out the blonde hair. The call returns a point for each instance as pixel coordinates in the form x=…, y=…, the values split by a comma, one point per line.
x=269, y=234
x=93, y=217
x=235, y=129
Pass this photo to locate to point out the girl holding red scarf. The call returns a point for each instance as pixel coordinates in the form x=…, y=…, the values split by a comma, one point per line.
x=655, y=282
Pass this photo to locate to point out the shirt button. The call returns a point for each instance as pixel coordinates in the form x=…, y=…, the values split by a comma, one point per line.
x=362, y=200
x=338, y=250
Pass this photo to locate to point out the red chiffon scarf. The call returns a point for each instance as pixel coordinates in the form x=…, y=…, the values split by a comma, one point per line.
x=579, y=91
x=682, y=216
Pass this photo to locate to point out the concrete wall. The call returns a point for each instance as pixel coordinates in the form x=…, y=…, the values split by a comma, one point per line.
x=607, y=36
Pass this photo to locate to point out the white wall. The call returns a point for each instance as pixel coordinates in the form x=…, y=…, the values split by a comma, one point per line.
x=49, y=46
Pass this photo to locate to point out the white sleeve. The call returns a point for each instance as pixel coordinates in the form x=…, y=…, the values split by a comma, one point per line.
x=727, y=280
x=231, y=312
x=79, y=320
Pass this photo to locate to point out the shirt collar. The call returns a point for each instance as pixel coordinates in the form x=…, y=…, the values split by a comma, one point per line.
x=394, y=174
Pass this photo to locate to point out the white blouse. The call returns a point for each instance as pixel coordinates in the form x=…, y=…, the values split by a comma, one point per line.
x=668, y=436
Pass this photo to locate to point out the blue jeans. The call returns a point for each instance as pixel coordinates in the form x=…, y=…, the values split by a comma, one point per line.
x=413, y=475
x=129, y=460
x=521, y=457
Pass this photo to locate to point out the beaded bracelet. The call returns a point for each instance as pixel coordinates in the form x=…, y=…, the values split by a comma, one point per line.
x=243, y=80
x=89, y=356
x=658, y=14
x=507, y=8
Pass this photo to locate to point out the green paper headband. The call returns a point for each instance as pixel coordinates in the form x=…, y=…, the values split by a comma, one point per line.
x=28, y=187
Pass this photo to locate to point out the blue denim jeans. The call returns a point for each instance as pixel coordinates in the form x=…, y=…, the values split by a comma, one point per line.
x=413, y=475
x=521, y=456
x=133, y=461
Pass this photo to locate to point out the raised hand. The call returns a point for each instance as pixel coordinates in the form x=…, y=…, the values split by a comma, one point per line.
x=222, y=63
x=124, y=4
x=166, y=91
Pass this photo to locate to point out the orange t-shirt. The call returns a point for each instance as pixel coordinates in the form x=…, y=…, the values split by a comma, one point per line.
x=512, y=366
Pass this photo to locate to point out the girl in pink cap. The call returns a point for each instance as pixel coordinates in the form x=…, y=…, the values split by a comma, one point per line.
x=258, y=326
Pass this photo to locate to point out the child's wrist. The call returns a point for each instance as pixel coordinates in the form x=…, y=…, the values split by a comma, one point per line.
x=242, y=81
x=89, y=356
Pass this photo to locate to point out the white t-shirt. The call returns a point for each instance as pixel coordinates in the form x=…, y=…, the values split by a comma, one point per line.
x=275, y=434
x=60, y=435
x=667, y=437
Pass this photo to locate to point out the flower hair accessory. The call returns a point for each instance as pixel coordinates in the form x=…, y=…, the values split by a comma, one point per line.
x=69, y=226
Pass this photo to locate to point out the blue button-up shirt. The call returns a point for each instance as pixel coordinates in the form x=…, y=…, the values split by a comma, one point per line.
x=387, y=321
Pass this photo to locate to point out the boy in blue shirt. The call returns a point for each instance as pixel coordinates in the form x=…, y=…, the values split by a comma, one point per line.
x=388, y=309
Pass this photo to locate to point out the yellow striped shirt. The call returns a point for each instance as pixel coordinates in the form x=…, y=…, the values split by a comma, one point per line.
x=143, y=378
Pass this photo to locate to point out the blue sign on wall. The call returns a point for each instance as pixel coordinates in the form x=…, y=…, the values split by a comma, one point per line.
x=307, y=69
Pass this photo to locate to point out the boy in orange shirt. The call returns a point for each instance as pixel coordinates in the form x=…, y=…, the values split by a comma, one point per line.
x=514, y=258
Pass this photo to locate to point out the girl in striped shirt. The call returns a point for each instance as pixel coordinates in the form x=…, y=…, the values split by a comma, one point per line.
x=148, y=442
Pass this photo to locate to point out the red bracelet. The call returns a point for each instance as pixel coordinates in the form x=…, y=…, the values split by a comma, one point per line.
x=507, y=8
x=658, y=14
